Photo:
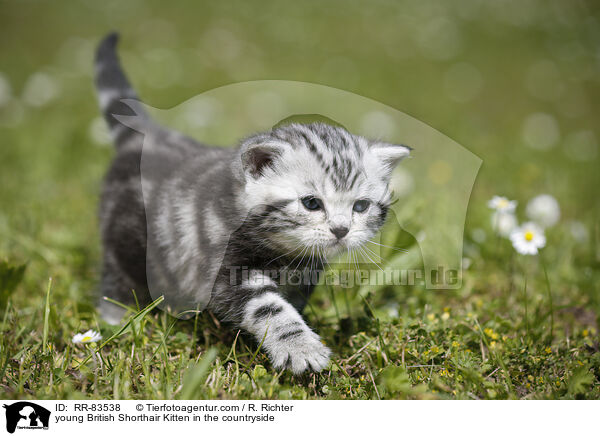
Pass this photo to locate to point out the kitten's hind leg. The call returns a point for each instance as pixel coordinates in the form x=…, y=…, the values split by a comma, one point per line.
x=115, y=285
x=289, y=342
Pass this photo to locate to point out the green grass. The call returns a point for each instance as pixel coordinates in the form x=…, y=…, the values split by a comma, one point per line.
x=514, y=330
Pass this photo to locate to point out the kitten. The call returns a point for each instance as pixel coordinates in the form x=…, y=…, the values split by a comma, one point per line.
x=215, y=219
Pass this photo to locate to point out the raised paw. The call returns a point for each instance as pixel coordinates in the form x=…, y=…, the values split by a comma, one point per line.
x=299, y=350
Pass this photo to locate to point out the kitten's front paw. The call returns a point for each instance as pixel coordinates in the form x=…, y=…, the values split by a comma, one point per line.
x=299, y=351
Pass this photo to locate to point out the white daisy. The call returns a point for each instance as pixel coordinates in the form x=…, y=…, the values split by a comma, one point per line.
x=544, y=210
x=87, y=337
x=528, y=238
x=502, y=204
x=504, y=223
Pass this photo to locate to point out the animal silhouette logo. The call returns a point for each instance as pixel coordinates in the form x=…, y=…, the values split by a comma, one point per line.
x=24, y=414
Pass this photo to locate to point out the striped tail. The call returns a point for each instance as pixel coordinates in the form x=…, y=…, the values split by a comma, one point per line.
x=113, y=87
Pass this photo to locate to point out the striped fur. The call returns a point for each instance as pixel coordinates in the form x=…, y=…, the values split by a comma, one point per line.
x=203, y=225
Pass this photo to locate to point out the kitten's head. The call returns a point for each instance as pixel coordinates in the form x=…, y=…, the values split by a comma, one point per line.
x=315, y=185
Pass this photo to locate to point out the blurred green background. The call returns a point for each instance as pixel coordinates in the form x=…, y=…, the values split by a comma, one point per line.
x=515, y=82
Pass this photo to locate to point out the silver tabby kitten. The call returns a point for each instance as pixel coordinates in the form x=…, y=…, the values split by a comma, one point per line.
x=283, y=199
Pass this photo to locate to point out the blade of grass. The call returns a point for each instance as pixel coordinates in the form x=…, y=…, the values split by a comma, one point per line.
x=526, y=316
x=196, y=375
x=337, y=312
x=378, y=328
x=118, y=303
x=137, y=303
x=259, y=347
x=46, y=317
x=549, y=299
x=3, y=329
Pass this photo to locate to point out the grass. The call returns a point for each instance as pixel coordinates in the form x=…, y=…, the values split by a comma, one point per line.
x=518, y=328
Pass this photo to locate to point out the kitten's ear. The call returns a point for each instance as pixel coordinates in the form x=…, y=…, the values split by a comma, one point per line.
x=256, y=157
x=389, y=154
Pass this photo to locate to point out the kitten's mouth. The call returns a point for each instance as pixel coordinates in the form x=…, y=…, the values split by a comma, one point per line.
x=336, y=245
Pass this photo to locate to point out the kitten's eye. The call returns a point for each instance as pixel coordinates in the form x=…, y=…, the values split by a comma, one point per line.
x=312, y=203
x=360, y=206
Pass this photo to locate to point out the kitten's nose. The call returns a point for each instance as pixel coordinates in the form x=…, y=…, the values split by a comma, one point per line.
x=339, y=232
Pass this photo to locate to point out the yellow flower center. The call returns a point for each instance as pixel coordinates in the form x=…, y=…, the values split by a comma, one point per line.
x=86, y=339
x=529, y=235
x=502, y=204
